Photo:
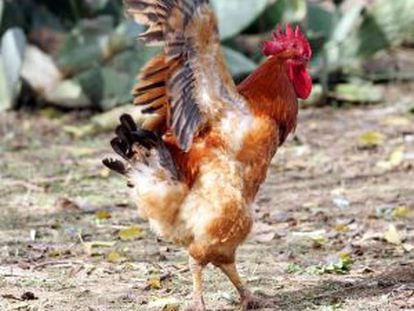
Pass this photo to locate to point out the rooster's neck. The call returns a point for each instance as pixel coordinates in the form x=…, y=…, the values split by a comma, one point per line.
x=270, y=92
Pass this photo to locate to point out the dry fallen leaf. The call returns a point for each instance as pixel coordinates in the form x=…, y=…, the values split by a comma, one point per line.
x=154, y=282
x=131, y=233
x=67, y=204
x=371, y=235
x=392, y=235
x=89, y=246
x=408, y=247
x=310, y=205
x=104, y=173
x=165, y=304
x=114, y=257
x=265, y=237
x=103, y=215
x=401, y=212
x=371, y=140
x=318, y=237
x=396, y=121
x=263, y=233
x=341, y=228
x=96, y=244
x=394, y=159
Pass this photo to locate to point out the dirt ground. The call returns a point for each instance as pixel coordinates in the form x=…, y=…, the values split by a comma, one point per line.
x=334, y=227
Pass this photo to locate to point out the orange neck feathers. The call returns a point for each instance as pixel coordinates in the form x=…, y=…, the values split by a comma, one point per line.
x=270, y=92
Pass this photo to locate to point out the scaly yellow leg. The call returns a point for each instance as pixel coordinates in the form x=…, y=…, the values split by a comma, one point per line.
x=246, y=298
x=197, y=272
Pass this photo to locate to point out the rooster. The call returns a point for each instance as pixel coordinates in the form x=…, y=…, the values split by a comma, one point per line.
x=195, y=166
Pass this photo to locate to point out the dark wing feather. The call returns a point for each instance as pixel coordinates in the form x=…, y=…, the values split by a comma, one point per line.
x=150, y=92
x=188, y=84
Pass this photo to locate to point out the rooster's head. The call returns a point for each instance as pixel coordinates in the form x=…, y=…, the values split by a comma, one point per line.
x=294, y=48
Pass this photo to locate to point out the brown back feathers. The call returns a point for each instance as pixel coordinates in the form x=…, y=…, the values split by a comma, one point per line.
x=184, y=84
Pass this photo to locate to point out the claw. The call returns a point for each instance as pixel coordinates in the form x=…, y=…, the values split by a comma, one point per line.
x=251, y=302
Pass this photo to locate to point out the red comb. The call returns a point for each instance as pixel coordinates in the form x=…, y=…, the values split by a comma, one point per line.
x=282, y=38
x=278, y=34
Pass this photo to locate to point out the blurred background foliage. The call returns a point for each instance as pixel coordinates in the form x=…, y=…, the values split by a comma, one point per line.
x=83, y=54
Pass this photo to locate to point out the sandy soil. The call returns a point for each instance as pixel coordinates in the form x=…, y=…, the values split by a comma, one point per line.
x=334, y=227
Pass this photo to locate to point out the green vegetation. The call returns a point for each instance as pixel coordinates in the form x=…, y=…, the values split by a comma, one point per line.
x=84, y=54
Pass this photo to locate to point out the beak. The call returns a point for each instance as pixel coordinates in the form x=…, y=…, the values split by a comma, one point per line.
x=304, y=59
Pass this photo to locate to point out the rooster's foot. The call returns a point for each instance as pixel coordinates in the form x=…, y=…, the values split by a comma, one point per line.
x=196, y=306
x=249, y=301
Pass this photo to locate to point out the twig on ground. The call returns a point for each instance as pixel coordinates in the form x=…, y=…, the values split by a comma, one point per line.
x=25, y=184
x=59, y=263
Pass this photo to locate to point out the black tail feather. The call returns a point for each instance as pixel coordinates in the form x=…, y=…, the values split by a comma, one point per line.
x=122, y=134
x=128, y=122
x=115, y=165
x=128, y=135
x=148, y=139
x=121, y=147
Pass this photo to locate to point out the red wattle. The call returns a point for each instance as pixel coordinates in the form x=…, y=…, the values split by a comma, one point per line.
x=301, y=80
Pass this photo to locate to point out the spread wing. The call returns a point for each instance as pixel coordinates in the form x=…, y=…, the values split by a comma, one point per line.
x=188, y=84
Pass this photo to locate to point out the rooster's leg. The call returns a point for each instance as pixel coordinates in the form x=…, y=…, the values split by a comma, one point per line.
x=197, y=272
x=246, y=298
